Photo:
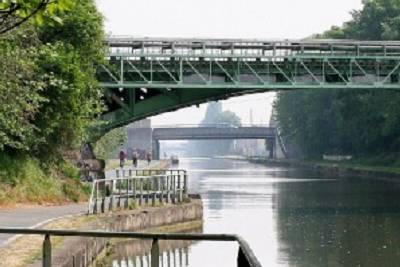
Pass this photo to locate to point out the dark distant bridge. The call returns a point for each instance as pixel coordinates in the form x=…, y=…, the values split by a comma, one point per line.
x=148, y=76
x=213, y=133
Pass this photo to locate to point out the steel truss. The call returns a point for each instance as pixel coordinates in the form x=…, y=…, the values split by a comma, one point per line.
x=188, y=71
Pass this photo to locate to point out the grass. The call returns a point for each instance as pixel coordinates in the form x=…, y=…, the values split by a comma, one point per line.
x=24, y=179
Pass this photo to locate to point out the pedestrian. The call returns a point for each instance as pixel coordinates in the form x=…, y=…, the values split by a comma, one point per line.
x=135, y=159
x=148, y=156
x=121, y=159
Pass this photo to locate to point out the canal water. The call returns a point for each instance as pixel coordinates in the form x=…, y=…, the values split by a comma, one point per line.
x=289, y=217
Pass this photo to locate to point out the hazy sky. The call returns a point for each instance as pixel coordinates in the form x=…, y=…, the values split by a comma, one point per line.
x=263, y=19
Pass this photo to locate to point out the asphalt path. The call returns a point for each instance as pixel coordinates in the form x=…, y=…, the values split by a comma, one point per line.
x=35, y=216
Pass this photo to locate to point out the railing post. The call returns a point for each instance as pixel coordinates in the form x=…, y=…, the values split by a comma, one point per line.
x=119, y=193
x=46, y=251
x=185, y=184
x=141, y=191
x=111, y=195
x=242, y=260
x=126, y=205
x=174, y=189
x=155, y=254
x=161, y=183
x=180, y=189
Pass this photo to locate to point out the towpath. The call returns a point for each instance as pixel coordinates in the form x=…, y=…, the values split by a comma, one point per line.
x=37, y=216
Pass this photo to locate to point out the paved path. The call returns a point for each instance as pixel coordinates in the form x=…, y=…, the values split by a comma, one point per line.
x=32, y=216
x=37, y=215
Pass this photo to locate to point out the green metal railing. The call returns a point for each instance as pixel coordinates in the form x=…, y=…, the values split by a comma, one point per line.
x=245, y=257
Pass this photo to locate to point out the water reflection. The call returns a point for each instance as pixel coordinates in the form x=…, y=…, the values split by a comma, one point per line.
x=178, y=257
x=136, y=252
x=289, y=217
x=348, y=223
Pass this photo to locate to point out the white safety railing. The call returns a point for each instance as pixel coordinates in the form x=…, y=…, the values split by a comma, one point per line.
x=132, y=188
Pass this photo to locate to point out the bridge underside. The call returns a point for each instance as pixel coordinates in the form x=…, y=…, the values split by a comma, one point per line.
x=212, y=133
x=148, y=77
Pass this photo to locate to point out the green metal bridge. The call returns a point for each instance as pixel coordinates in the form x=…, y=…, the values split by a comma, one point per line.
x=148, y=76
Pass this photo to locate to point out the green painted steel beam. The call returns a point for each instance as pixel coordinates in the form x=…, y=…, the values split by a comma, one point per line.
x=146, y=76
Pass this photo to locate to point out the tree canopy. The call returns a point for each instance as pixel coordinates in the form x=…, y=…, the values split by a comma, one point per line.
x=358, y=122
x=14, y=13
x=48, y=89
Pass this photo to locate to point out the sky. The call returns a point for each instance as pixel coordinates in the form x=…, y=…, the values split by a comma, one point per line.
x=255, y=19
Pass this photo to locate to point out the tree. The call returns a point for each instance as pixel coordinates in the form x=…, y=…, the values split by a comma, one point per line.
x=13, y=13
x=49, y=91
x=364, y=123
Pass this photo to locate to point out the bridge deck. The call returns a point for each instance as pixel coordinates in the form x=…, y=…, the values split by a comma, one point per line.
x=148, y=76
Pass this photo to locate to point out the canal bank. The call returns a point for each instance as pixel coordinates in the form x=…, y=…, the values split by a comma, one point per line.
x=338, y=169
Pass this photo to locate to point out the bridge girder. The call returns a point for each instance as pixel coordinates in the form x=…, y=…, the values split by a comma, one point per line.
x=146, y=77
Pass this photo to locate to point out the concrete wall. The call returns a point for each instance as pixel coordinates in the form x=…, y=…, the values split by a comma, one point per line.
x=81, y=252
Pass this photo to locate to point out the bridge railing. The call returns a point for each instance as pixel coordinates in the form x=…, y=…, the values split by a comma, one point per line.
x=138, y=187
x=245, y=257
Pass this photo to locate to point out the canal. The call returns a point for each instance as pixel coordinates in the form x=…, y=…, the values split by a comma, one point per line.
x=290, y=217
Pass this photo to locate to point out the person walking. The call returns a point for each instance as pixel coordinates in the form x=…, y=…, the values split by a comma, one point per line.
x=122, y=158
x=148, y=157
x=135, y=159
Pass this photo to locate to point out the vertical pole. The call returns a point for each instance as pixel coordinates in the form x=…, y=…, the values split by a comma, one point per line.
x=242, y=260
x=181, y=71
x=112, y=195
x=174, y=189
x=185, y=183
x=161, y=183
x=148, y=190
x=119, y=193
x=46, y=251
x=180, y=189
x=154, y=191
x=127, y=193
x=134, y=191
x=141, y=192
x=168, y=190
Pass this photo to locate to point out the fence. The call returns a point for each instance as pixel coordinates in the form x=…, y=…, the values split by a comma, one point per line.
x=138, y=187
x=245, y=257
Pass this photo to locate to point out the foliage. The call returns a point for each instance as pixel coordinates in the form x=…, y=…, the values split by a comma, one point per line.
x=25, y=179
x=360, y=122
x=48, y=98
x=13, y=13
x=106, y=146
x=49, y=92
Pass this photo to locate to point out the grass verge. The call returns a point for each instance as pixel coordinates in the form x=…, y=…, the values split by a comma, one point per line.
x=24, y=179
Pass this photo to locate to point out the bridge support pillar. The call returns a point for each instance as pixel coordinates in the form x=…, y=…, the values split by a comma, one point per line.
x=156, y=149
x=271, y=147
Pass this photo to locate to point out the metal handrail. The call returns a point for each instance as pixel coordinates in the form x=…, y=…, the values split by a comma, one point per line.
x=171, y=185
x=246, y=257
